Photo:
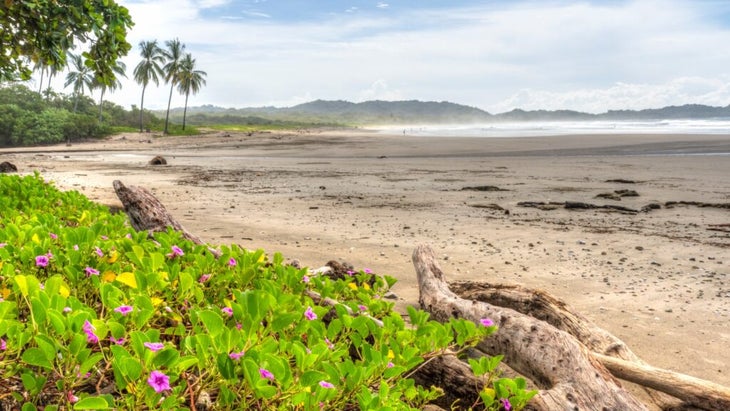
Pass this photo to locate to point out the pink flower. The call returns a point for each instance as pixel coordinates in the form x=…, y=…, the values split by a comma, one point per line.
x=104, y=237
x=309, y=314
x=325, y=384
x=41, y=261
x=236, y=355
x=158, y=381
x=362, y=307
x=124, y=309
x=506, y=404
x=76, y=247
x=176, y=252
x=3, y=345
x=390, y=364
x=99, y=252
x=329, y=343
x=368, y=271
x=232, y=262
x=203, y=278
x=53, y=236
x=266, y=374
x=2, y=245
x=71, y=397
x=487, y=322
x=305, y=279
x=154, y=347
x=67, y=310
x=117, y=341
x=91, y=271
x=228, y=311
x=89, y=330
x=239, y=326
x=350, y=272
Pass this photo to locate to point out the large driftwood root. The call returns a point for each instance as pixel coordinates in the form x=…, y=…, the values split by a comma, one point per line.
x=669, y=390
x=146, y=212
x=563, y=369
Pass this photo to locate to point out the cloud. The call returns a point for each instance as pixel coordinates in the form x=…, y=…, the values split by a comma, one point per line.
x=584, y=55
x=382, y=5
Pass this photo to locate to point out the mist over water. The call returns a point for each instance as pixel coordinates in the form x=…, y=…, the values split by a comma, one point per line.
x=554, y=128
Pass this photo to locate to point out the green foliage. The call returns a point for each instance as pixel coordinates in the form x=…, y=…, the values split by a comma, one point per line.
x=43, y=31
x=89, y=302
x=28, y=119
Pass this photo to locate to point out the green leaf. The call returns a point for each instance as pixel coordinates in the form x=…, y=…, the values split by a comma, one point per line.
x=36, y=356
x=92, y=403
x=212, y=321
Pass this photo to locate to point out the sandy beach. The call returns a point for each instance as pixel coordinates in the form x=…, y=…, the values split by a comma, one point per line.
x=493, y=209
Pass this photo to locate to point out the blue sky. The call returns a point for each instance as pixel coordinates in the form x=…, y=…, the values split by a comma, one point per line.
x=496, y=55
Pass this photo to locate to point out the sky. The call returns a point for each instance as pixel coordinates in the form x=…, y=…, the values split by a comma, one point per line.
x=496, y=55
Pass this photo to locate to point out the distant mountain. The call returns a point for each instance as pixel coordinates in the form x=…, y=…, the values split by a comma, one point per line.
x=340, y=112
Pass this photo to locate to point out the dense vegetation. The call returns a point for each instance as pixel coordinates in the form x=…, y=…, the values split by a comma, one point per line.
x=94, y=315
x=27, y=118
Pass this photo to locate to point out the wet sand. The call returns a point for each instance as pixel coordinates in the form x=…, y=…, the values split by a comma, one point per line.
x=657, y=279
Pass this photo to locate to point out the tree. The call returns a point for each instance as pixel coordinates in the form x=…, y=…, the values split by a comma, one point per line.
x=119, y=69
x=148, y=70
x=80, y=76
x=34, y=30
x=173, y=57
x=190, y=80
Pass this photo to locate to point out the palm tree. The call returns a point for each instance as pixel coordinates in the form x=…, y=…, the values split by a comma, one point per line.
x=148, y=69
x=81, y=78
x=119, y=69
x=190, y=80
x=173, y=57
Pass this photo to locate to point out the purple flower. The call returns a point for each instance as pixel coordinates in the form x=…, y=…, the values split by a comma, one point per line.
x=124, y=309
x=487, y=322
x=117, y=341
x=89, y=331
x=71, y=397
x=325, y=384
x=309, y=314
x=239, y=326
x=329, y=343
x=350, y=272
x=506, y=404
x=154, y=347
x=228, y=311
x=91, y=271
x=266, y=374
x=177, y=251
x=41, y=260
x=305, y=279
x=390, y=364
x=203, y=278
x=236, y=355
x=368, y=271
x=53, y=236
x=232, y=262
x=99, y=252
x=129, y=236
x=159, y=381
x=362, y=307
x=3, y=345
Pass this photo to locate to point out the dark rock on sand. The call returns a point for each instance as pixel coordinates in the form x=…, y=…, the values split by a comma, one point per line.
x=158, y=161
x=616, y=195
x=6, y=167
x=483, y=188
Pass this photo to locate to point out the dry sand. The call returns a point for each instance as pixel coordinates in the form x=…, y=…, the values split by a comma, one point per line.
x=659, y=280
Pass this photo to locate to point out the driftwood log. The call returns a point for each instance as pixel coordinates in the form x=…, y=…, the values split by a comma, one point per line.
x=556, y=348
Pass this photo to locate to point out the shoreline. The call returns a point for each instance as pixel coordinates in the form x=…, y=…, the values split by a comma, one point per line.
x=658, y=280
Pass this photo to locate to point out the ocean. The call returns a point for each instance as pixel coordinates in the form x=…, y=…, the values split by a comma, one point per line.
x=550, y=128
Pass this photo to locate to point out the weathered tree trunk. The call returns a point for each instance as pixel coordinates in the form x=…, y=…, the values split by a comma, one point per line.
x=694, y=391
x=146, y=212
x=563, y=369
x=543, y=306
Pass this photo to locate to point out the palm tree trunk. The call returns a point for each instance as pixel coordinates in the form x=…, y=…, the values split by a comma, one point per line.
x=76, y=102
x=185, y=110
x=40, y=85
x=101, y=103
x=169, y=100
x=141, y=108
x=48, y=89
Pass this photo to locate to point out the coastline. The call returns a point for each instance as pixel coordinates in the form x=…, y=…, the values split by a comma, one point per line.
x=658, y=280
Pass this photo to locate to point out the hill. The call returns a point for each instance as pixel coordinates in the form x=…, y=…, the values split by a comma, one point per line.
x=340, y=112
